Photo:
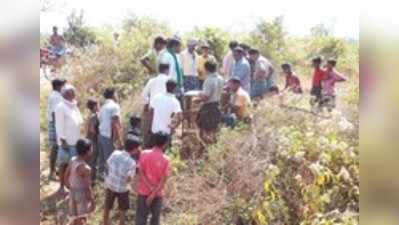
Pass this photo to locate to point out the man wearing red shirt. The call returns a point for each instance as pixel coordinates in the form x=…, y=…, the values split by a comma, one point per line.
x=292, y=82
x=318, y=75
x=154, y=169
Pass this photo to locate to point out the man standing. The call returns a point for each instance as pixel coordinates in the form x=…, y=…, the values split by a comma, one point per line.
x=155, y=86
x=263, y=78
x=228, y=60
x=54, y=98
x=318, y=75
x=57, y=43
x=242, y=69
x=154, y=169
x=202, y=59
x=110, y=127
x=171, y=57
x=209, y=116
x=165, y=110
x=188, y=60
x=150, y=60
x=67, y=121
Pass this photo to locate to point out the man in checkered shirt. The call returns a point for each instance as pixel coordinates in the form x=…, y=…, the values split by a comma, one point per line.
x=121, y=168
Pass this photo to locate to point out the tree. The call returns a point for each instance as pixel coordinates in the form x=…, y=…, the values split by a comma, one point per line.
x=77, y=33
x=321, y=30
x=269, y=38
x=216, y=38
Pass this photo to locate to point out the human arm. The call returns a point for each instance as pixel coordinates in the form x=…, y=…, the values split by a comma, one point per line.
x=66, y=177
x=59, y=126
x=339, y=77
x=84, y=173
x=117, y=130
x=145, y=61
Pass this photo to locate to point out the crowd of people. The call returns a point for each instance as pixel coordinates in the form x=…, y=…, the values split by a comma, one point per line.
x=137, y=159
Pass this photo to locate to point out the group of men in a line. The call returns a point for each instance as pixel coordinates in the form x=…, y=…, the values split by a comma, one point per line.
x=117, y=155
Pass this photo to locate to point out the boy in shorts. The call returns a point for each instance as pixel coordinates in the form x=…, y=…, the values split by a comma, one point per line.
x=121, y=169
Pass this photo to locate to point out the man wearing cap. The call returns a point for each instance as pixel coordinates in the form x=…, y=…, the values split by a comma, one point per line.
x=54, y=98
x=242, y=69
x=171, y=57
x=202, y=59
x=150, y=60
x=188, y=60
x=68, y=121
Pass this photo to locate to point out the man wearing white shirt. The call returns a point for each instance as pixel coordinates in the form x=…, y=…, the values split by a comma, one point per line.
x=155, y=86
x=189, y=63
x=228, y=61
x=165, y=110
x=54, y=98
x=68, y=121
x=110, y=127
x=171, y=57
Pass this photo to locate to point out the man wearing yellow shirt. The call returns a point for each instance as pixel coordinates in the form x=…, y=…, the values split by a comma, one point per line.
x=240, y=103
x=205, y=56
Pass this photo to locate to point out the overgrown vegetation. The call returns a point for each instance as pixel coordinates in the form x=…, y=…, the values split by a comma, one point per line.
x=289, y=167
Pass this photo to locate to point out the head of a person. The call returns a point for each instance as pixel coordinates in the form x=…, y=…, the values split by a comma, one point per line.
x=171, y=86
x=233, y=45
x=159, y=43
x=116, y=36
x=161, y=140
x=286, y=69
x=245, y=47
x=253, y=54
x=135, y=121
x=238, y=53
x=110, y=93
x=132, y=145
x=58, y=84
x=92, y=105
x=211, y=66
x=55, y=30
x=274, y=90
x=331, y=63
x=83, y=148
x=205, y=49
x=191, y=45
x=174, y=44
x=234, y=84
x=164, y=68
x=316, y=62
x=68, y=92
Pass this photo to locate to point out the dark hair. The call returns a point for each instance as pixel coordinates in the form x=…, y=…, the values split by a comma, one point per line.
x=172, y=42
x=163, y=67
x=83, y=146
x=235, y=81
x=211, y=66
x=132, y=143
x=57, y=83
x=159, y=40
x=274, y=89
x=134, y=121
x=317, y=60
x=171, y=86
x=109, y=92
x=253, y=51
x=91, y=103
x=333, y=62
x=160, y=139
x=244, y=46
x=233, y=44
x=286, y=66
